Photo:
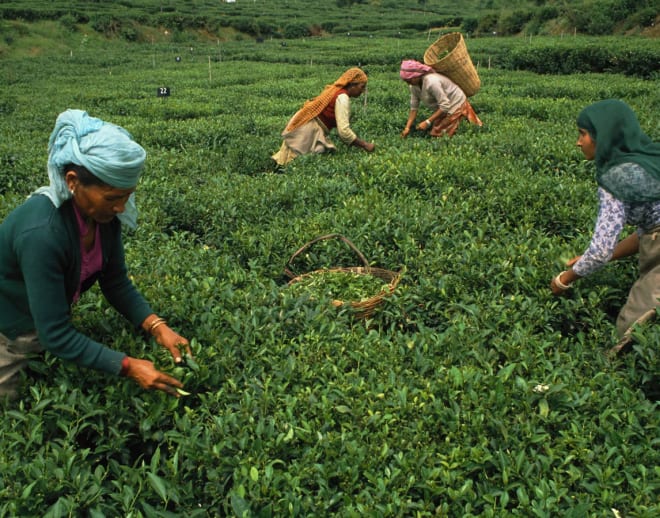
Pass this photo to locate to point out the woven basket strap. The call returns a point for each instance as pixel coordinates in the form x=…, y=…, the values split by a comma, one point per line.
x=288, y=268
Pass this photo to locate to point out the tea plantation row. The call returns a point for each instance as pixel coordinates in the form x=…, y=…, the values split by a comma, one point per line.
x=472, y=391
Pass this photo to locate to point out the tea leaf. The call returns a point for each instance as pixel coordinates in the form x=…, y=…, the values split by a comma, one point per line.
x=158, y=484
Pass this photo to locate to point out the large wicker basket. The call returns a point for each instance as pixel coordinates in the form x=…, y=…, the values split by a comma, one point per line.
x=448, y=55
x=363, y=308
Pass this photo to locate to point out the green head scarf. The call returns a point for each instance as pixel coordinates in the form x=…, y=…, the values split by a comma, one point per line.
x=619, y=140
x=105, y=150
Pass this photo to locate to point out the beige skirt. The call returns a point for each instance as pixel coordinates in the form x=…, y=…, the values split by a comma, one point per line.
x=14, y=355
x=645, y=293
x=311, y=137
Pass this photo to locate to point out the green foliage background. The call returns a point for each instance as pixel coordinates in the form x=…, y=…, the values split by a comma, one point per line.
x=146, y=20
x=471, y=392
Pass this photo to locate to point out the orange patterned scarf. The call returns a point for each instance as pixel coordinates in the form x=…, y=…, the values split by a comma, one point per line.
x=314, y=106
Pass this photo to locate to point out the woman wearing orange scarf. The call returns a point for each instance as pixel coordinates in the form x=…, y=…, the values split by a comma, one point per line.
x=307, y=131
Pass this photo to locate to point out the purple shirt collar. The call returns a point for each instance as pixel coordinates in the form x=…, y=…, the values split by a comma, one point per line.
x=91, y=260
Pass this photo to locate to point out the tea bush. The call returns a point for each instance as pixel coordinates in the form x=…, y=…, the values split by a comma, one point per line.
x=471, y=391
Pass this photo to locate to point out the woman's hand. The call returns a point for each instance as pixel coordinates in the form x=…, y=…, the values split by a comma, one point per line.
x=165, y=336
x=367, y=146
x=556, y=289
x=405, y=132
x=149, y=378
x=172, y=341
x=424, y=125
x=562, y=282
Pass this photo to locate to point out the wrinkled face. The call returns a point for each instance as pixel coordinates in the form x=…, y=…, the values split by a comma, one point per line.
x=586, y=144
x=98, y=202
x=356, y=89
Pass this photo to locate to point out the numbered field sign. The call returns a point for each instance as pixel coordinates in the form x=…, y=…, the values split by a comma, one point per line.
x=163, y=91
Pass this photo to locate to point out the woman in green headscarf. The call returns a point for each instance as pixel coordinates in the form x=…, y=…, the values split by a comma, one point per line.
x=63, y=239
x=628, y=176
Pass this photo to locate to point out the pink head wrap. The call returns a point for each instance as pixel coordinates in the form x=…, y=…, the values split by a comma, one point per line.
x=411, y=69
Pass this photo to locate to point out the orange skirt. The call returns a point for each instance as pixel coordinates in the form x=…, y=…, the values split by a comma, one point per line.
x=449, y=124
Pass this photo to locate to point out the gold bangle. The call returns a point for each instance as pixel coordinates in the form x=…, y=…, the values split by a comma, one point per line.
x=153, y=327
x=157, y=321
x=560, y=284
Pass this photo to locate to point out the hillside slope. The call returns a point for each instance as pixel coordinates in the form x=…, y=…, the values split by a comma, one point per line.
x=32, y=26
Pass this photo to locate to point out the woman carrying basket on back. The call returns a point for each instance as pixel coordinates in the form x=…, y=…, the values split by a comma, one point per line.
x=307, y=131
x=438, y=93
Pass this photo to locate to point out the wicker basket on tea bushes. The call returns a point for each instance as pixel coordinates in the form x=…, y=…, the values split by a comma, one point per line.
x=448, y=55
x=362, y=308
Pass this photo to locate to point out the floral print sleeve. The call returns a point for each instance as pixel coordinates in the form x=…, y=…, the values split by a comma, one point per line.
x=610, y=223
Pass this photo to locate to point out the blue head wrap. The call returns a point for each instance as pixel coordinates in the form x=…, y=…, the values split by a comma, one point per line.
x=105, y=150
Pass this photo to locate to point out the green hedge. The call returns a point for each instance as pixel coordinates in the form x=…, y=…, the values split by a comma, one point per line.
x=593, y=57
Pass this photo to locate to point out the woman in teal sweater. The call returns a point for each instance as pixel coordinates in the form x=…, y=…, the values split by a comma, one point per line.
x=63, y=239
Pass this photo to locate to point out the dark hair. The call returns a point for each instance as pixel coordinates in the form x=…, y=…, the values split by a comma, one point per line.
x=86, y=178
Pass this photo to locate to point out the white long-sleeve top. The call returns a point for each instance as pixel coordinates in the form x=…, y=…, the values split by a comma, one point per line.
x=437, y=91
x=343, y=118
